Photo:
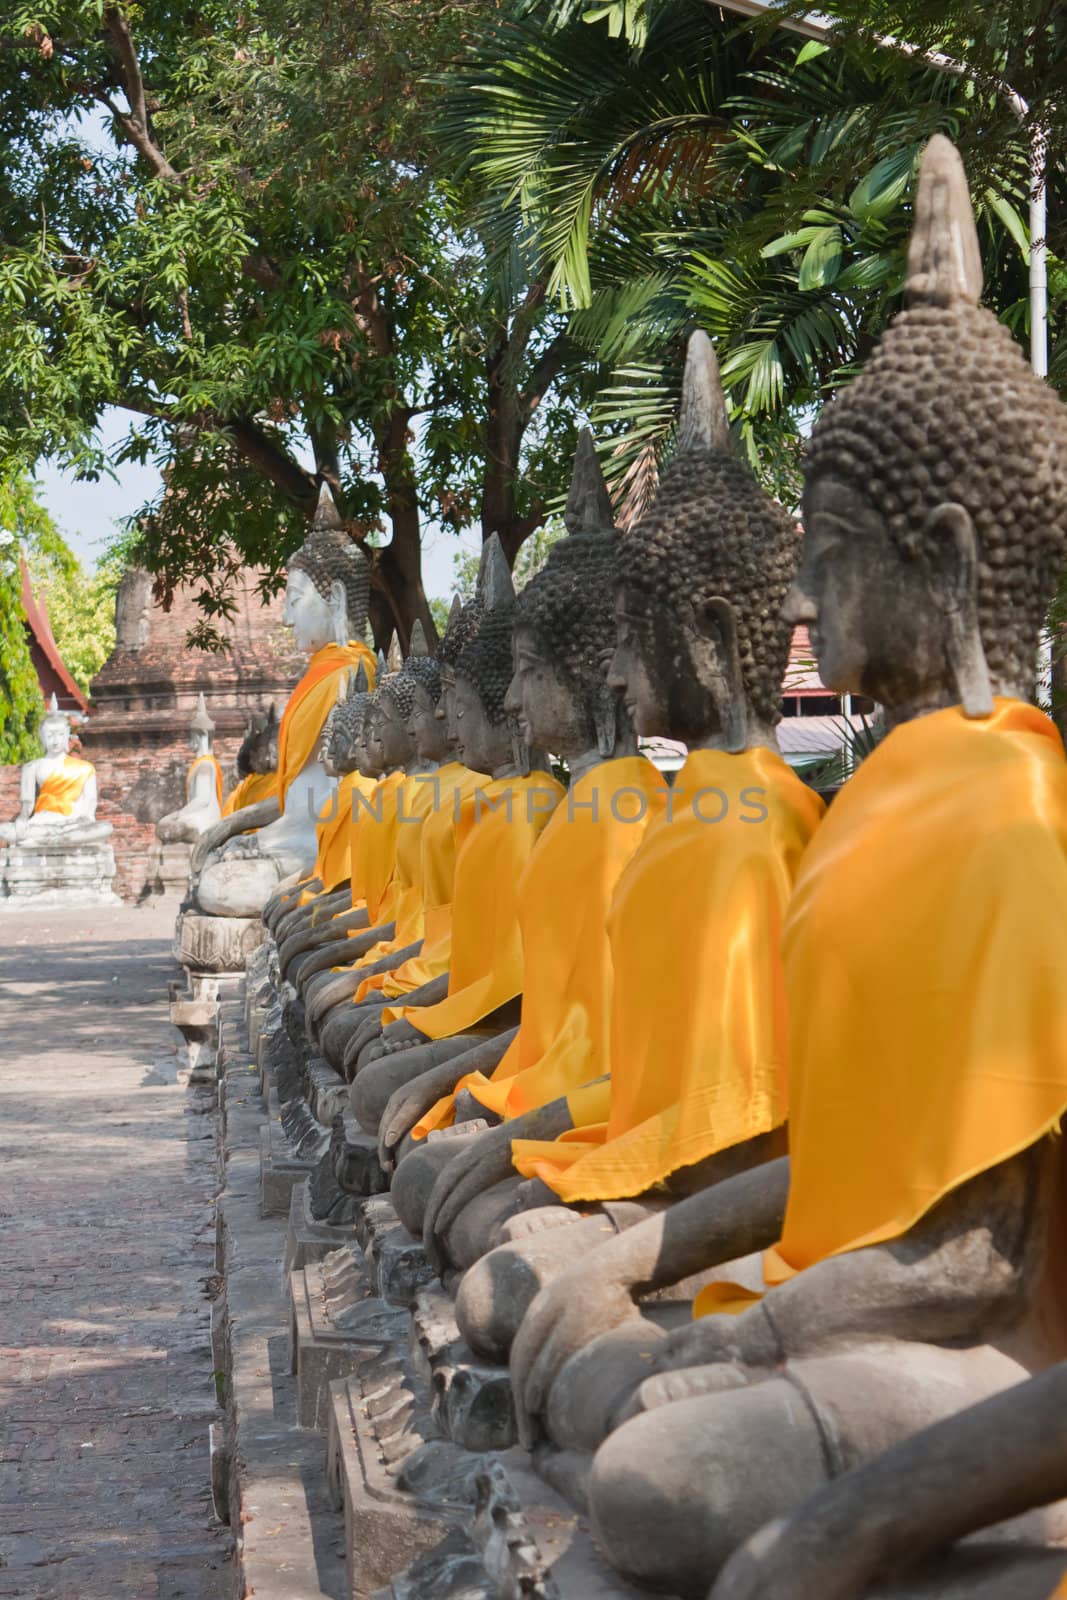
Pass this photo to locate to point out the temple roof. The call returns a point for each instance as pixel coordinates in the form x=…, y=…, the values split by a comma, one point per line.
x=52, y=674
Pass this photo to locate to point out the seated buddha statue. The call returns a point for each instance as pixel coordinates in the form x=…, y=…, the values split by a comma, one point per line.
x=911, y=1256
x=563, y=628
x=319, y=912
x=383, y=850
x=326, y=606
x=694, y=1062
x=337, y=1023
x=203, y=786
x=498, y=827
x=416, y=741
x=57, y=793
x=257, y=763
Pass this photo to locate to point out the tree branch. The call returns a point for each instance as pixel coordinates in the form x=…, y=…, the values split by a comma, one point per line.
x=544, y=372
x=135, y=123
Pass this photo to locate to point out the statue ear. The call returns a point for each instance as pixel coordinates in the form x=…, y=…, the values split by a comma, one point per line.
x=718, y=665
x=951, y=555
x=339, y=611
x=607, y=713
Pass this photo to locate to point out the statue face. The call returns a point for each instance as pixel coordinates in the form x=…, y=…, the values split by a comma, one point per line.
x=641, y=690
x=55, y=736
x=875, y=628
x=389, y=733
x=446, y=707
x=549, y=713
x=428, y=728
x=198, y=743
x=365, y=751
x=479, y=744
x=307, y=613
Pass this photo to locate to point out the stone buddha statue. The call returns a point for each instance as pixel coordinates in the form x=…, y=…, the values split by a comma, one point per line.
x=57, y=793
x=203, y=786
x=700, y=652
x=337, y=1023
x=564, y=628
x=506, y=818
x=326, y=606
x=257, y=763
x=911, y=1251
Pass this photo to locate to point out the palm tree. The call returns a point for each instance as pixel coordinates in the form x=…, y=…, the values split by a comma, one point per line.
x=672, y=167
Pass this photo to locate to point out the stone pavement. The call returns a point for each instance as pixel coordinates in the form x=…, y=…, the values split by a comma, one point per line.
x=107, y=1175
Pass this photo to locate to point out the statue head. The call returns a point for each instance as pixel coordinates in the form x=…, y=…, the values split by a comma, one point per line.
x=55, y=730
x=423, y=673
x=389, y=721
x=201, y=728
x=464, y=620
x=701, y=643
x=486, y=734
x=328, y=587
x=344, y=739
x=564, y=631
x=259, y=748
x=935, y=497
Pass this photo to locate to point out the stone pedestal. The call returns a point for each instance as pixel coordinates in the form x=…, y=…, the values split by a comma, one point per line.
x=216, y=944
x=47, y=873
x=169, y=872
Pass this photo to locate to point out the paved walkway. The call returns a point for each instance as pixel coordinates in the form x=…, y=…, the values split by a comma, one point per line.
x=106, y=1261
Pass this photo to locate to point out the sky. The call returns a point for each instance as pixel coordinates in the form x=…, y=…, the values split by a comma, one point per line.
x=87, y=514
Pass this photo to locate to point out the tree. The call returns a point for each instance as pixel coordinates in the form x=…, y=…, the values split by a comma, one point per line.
x=255, y=258
x=676, y=167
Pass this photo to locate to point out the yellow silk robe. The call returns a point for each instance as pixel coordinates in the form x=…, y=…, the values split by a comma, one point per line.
x=564, y=896
x=926, y=967
x=205, y=760
x=311, y=703
x=416, y=799
x=498, y=828
x=439, y=845
x=337, y=819
x=59, y=792
x=250, y=791
x=698, y=1033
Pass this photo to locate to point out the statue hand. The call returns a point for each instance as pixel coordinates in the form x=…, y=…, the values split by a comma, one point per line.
x=404, y=1108
x=400, y=1035
x=589, y=1298
x=486, y=1162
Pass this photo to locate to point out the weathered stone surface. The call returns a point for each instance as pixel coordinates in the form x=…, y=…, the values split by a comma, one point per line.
x=471, y=1399
x=216, y=944
x=401, y=1486
x=336, y=1319
x=307, y=1239
x=280, y=1170
x=50, y=875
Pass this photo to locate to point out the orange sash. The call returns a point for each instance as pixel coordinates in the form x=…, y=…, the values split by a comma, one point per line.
x=698, y=1035
x=200, y=761
x=564, y=896
x=498, y=828
x=250, y=791
x=436, y=876
x=59, y=792
x=311, y=703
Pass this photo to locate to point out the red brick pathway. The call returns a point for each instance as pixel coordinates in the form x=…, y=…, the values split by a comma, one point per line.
x=106, y=1255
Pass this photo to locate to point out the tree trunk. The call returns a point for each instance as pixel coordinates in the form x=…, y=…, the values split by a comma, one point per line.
x=399, y=564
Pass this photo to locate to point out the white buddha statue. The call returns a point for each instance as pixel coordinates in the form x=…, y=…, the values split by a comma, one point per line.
x=326, y=597
x=57, y=794
x=203, y=786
